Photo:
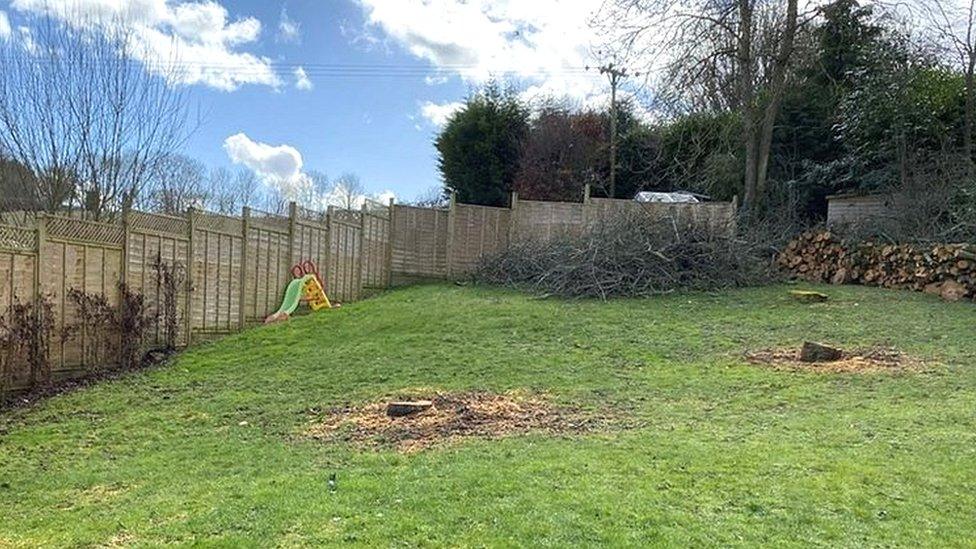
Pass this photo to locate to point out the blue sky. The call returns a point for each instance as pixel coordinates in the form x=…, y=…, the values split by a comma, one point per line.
x=379, y=76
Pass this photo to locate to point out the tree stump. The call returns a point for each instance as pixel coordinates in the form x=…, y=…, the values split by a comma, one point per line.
x=401, y=409
x=815, y=352
x=807, y=296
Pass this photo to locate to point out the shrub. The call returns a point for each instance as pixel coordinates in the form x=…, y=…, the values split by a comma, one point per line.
x=96, y=322
x=170, y=280
x=27, y=339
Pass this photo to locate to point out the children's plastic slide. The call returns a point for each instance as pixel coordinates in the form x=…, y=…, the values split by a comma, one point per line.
x=307, y=287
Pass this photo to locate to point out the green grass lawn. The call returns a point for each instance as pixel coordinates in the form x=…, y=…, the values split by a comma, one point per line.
x=711, y=451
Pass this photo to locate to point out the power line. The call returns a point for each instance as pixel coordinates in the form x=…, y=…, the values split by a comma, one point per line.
x=343, y=69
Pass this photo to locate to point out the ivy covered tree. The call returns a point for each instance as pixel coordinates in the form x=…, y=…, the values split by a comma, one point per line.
x=480, y=145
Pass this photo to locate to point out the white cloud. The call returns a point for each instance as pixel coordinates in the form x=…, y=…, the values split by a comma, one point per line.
x=5, y=30
x=544, y=43
x=187, y=42
x=385, y=197
x=435, y=80
x=439, y=113
x=289, y=30
x=269, y=162
x=301, y=80
x=279, y=167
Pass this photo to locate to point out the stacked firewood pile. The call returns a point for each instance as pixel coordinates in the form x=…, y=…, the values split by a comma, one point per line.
x=948, y=270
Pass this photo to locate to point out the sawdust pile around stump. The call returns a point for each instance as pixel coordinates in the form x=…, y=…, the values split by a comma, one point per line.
x=878, y=359
x=453, y=416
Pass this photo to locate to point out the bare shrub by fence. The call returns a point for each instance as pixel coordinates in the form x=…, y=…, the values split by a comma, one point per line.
x=205, y=274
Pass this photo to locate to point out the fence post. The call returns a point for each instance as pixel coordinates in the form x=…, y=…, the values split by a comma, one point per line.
x=362, y=248
x=292, y=217
x=124, y=272
x=513, y=218
x=191, y=261
x=732, y=221
x=586, y=206
x=451, y=216
x=327, y=270
x=245, y=224
x=40, y=236
x=389, y=244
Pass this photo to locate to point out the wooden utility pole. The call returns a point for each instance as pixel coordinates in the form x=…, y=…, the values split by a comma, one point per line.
x=615, y=75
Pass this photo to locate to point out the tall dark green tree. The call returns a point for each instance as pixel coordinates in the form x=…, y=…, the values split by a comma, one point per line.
x=479, y=147
x=808, y=151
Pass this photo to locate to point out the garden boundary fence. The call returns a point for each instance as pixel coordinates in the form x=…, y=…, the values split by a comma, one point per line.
x=235, y=268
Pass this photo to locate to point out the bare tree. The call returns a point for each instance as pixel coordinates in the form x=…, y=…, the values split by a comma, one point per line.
x=953, y=26
x=313, y=190
x=433, y=197
x=230, y=192
x=220, y=193
x=175, y=184
x=247, y=188
x=81, y=111
x=347, y=191
x=717, y=54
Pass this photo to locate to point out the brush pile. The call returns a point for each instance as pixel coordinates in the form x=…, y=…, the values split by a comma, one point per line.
x=630, y=256
x=820, y=255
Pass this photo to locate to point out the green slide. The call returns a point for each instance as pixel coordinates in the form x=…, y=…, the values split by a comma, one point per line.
x=293, y=297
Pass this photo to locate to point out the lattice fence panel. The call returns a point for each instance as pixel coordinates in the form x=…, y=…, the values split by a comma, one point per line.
x=77, y=230
x=18, y=238
x=146, y=222
x=217, y=223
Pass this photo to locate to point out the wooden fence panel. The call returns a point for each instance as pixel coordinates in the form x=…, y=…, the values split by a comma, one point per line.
x=155, y=238
x=217, y=244
x=476, y=232
x=376, y=247
x=717, y=218
x=344, y=273
x=18, y=260
x=268, y=261
x=85, y=256
x=545, y=220
x=419, y=243
x=311, y=244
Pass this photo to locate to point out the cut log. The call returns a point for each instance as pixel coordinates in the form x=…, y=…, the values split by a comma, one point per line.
x=815, y=352
x=401, y=409
x=807, y=296
x=934, y=288
x=953, y=291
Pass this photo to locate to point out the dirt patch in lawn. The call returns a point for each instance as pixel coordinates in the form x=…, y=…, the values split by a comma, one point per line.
x=452, y=417
x=878, y=359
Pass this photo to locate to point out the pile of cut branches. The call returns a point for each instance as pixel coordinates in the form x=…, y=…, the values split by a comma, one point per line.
x=627, y=256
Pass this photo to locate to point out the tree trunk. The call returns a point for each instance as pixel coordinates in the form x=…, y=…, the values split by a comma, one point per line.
x=967, y=138
x=747, y=102
x=759, y=140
